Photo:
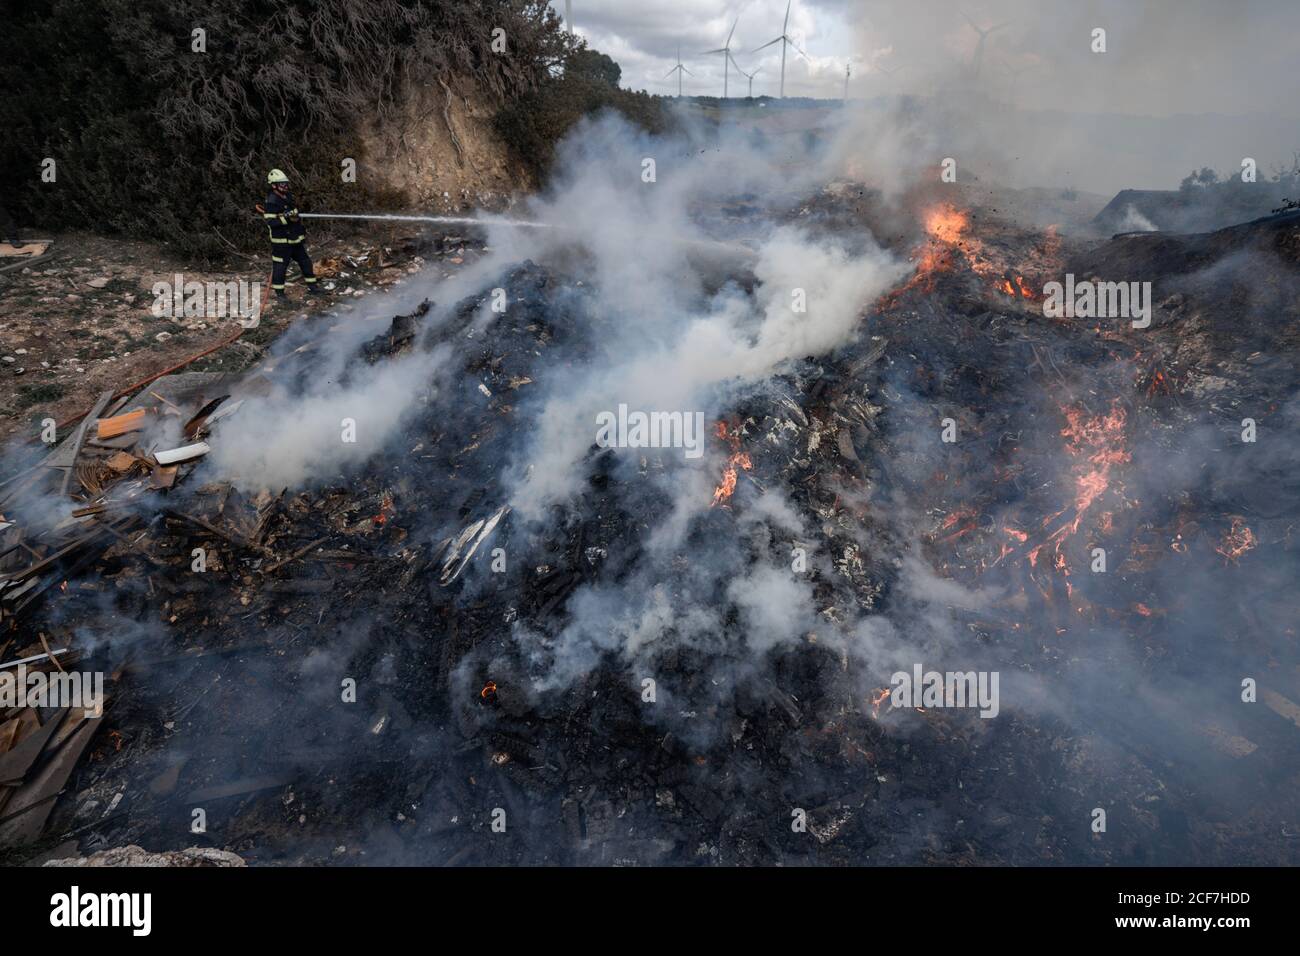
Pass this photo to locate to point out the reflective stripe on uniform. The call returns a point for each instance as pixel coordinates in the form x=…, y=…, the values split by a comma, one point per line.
x=277, y=287
x=299, y=239
x=277, y=259
x=309, y=279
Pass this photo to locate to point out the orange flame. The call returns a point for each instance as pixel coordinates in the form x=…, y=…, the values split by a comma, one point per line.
x=1100, y=438
x=878, y=697
x=946, y=223
x=947, y=231
x=1097, y=443
x=738, y=459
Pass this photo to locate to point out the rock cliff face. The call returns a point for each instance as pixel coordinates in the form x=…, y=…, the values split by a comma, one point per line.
x=444, y=154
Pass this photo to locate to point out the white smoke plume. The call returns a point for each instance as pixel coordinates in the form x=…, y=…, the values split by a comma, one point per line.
x=668, y=346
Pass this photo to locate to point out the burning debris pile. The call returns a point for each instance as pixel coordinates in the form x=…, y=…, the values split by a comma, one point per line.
x=393, y=647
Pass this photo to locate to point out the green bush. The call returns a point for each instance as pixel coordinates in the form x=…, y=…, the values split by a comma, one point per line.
x=534, y=123
x=29, y=395
x=1245, y=200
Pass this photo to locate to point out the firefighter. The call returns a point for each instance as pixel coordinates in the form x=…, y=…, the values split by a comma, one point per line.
x=280, y=213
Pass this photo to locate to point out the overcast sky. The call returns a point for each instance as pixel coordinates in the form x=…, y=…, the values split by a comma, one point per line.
x=1163, y=57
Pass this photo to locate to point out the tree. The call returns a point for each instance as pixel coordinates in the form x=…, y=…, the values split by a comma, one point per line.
x=593, y=65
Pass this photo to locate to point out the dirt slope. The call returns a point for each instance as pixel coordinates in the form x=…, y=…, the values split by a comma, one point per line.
x=444, y=155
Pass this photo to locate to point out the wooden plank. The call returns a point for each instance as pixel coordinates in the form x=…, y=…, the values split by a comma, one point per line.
x=30, y=807
x=65, y=456
x=15, y=764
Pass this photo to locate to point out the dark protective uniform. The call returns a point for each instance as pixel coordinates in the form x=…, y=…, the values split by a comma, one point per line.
x=8, y=228
x=287, y=234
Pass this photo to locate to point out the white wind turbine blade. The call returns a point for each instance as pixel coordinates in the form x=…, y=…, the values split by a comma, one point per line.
x=768, y=44
x=786, y=22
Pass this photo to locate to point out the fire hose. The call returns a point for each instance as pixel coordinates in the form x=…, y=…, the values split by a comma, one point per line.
x=443, y=220
x=726, y=257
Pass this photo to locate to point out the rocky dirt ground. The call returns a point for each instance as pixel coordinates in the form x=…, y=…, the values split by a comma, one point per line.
x=82, y=321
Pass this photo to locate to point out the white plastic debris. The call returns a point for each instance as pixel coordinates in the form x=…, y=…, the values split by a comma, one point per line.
x=185, y=453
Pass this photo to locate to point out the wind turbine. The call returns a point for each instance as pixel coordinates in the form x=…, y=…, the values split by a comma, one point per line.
x=725, y=50
x=748, y=76
x=889, y=73
x=679, y=70
x=978, y=59
x=1015, y=72
x=847, y=68
x=784, y=40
